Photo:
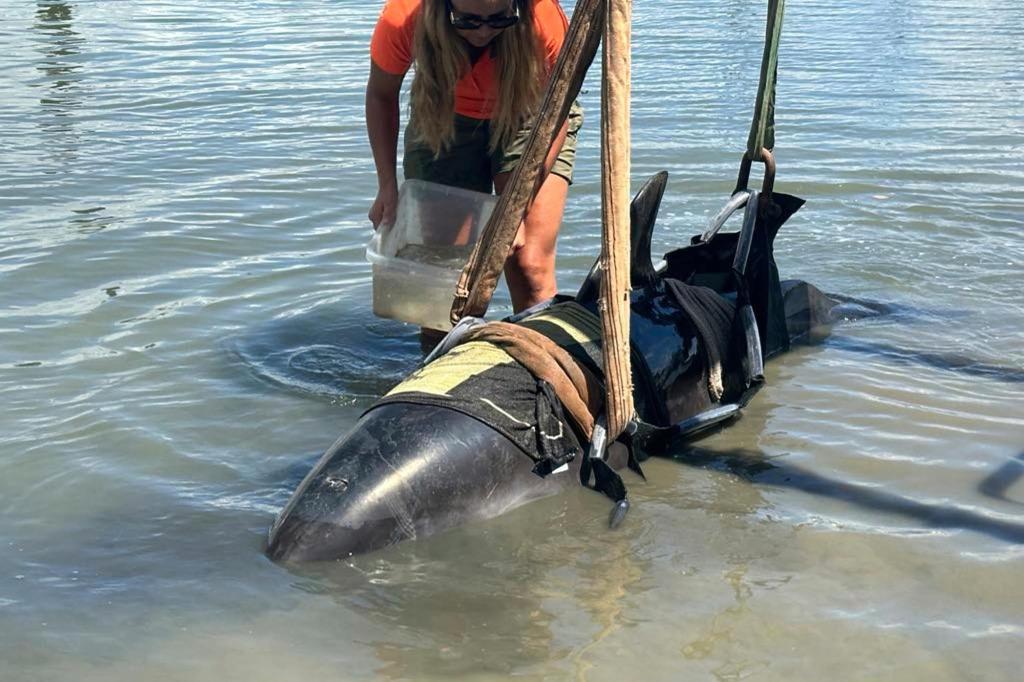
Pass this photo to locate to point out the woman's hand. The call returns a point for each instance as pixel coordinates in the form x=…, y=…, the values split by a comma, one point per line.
x=384, y=206
x=382, y=128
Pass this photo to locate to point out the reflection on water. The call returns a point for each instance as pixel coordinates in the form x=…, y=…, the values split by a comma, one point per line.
x=443, y=608
x=611, y=575
x=436, y=616
x=90, y=220
x=60, y=76
x=172, y=377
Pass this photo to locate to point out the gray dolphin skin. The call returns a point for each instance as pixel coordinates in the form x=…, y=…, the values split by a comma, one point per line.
x=407, y=471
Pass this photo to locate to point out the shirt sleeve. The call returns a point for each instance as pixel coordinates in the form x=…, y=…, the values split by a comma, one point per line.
x=391, y=45
x=551, y=26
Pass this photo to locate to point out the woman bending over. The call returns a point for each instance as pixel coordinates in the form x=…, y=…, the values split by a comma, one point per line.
x=481, y=70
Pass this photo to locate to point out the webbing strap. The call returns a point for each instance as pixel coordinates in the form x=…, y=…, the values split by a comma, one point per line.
x=762, y=129
x=480, y=276
x=576, y=386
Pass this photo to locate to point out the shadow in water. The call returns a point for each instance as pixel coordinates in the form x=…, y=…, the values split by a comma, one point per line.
x=347, y=356
x=996, y=484
x=758, y=468
x=950, y=362
x=853, y=308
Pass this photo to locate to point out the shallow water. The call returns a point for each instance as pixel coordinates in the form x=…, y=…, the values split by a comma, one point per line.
x=185, y=326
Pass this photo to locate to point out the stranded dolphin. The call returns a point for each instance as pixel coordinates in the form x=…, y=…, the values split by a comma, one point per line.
x=473, y=433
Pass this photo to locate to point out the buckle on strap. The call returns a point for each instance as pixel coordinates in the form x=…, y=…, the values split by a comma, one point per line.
x=605, y=479
x=452, y=338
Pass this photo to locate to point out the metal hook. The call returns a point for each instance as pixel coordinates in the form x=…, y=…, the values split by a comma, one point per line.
x=767, y=184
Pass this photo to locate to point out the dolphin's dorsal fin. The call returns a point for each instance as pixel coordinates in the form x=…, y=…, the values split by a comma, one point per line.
x=643, y=211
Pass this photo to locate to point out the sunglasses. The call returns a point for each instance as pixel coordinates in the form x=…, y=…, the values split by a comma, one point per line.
x=471, y=22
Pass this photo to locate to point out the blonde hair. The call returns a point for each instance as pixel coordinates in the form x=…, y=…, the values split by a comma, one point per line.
x=442, y=58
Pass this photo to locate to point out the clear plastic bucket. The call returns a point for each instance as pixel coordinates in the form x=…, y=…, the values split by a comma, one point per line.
x=417, y=260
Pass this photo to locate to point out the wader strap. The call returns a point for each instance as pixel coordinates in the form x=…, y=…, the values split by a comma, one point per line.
x=576, y=386
x=480, y=276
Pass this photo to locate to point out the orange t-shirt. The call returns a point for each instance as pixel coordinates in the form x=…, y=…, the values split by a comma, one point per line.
x=391, y=49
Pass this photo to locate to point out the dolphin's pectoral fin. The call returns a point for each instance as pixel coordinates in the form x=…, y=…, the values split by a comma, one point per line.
x=643, y=211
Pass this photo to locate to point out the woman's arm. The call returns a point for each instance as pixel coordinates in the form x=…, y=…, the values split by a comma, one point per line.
x=382, y=90
x=556, y=148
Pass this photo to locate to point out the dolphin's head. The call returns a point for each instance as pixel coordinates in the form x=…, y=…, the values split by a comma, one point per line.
x=404, y=471
x=355, y=499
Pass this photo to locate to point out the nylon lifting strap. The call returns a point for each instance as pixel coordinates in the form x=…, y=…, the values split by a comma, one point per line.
x=615, y=228
x=480, y=276
x=761, y=139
